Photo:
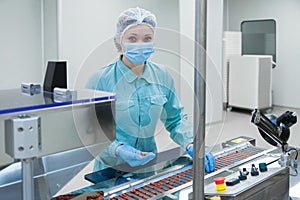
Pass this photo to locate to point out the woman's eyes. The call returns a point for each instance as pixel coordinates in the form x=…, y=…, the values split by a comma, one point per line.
x=147, y=39
x=132, y=39
x=135, y=39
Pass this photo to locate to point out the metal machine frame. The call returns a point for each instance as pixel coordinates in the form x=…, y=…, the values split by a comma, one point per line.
x=34, y=130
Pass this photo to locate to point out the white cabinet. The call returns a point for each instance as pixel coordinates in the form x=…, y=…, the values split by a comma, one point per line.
x=232, y=46
x=250, y=82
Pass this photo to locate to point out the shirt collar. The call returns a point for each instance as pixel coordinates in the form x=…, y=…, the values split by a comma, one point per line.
x=130, y=76
x=147, y=73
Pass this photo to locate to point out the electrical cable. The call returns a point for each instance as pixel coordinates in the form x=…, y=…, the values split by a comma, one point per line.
x=296, y=157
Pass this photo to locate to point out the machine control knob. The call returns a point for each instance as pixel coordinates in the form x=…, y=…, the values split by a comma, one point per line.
x=262, y=167
x=254, y=171
x=242, y=176
x=232, y=181
x=219, y=181
x=245, y=172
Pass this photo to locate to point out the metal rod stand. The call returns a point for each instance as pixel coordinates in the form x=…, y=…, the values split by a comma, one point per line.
x=199, y=99
x=23, y=141
x=27, y=179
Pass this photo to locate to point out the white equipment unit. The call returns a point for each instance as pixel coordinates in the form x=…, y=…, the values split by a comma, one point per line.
x=232, y=46
x=250, y=82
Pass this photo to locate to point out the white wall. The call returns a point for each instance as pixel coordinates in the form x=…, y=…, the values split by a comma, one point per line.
x=214, y=86
x=20, y=43
x=286, y=76
x=50, y=31
x=215, y=59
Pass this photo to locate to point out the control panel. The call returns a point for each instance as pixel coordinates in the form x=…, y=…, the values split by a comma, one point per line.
x=241, y=181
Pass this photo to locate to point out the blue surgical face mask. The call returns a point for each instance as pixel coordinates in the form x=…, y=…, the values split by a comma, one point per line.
x=138, y=53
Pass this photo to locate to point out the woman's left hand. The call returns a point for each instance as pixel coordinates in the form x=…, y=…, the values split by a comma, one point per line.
x=209, y=161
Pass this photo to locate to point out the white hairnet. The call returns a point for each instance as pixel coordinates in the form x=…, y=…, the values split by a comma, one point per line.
x=131, y=17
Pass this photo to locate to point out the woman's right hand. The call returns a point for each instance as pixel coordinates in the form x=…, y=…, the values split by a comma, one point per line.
x=134, y=157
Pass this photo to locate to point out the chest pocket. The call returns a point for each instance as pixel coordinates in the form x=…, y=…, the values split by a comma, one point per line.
x=158, y=100
x=151, y=108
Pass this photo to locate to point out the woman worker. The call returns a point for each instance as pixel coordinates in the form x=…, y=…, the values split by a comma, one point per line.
x=145, y=93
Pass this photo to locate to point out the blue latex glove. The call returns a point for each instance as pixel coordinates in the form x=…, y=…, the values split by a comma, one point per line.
x=133, y=156
x=209, y=161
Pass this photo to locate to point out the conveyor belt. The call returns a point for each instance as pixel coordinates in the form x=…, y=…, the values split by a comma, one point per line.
x=235, y=156
x=156, y=188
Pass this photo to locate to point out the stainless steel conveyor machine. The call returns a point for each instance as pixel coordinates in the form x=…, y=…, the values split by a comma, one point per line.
x=46, y=142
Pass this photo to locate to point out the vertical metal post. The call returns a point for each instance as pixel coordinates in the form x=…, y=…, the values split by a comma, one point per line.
x=23, y=141
x=199, y=99
x=27, y=178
